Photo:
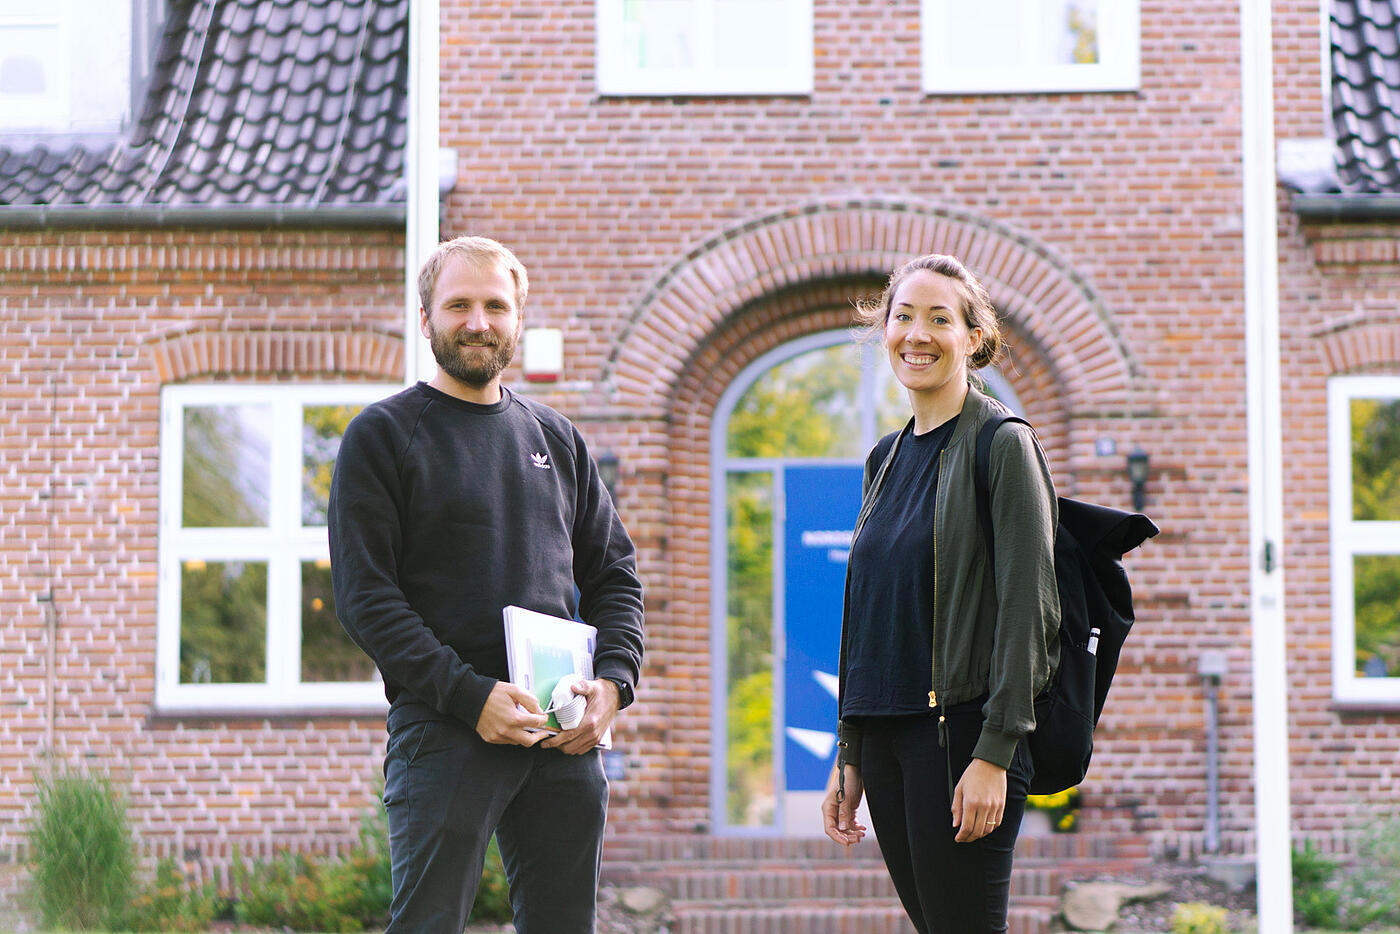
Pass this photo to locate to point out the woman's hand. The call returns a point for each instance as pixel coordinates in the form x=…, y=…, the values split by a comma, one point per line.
x=839, y=817
x=978, y=801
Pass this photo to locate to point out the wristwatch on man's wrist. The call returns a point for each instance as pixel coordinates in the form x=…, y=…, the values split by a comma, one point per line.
x=624, y=691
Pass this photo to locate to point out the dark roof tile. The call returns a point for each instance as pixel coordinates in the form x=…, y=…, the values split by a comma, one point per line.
x=300, y=102
x=1366, y=95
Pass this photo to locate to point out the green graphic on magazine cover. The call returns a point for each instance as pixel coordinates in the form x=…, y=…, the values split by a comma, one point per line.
x=549, y=663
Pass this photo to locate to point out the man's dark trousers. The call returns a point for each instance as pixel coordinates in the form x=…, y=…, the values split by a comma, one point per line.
x=446, y=790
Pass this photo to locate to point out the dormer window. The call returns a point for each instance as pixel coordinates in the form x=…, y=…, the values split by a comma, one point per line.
x=74, y=67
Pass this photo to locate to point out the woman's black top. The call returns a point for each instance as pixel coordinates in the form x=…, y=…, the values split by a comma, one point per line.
x=889, y=650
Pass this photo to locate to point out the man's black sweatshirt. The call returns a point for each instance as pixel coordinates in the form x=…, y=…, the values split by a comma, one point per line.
x=442, y=512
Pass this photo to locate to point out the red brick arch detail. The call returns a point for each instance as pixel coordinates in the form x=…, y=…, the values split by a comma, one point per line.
x=1361, y=348
x=1058, y=312
x=250, y=354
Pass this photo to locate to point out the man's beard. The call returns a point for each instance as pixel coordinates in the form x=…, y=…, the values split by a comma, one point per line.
x=474, y=366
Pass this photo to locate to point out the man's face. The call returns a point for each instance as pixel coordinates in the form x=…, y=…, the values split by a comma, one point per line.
x=474, y=324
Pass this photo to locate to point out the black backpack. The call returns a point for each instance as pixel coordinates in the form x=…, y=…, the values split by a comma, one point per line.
x=1096, y=612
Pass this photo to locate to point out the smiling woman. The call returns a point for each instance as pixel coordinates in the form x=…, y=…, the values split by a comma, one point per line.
x=933, y=706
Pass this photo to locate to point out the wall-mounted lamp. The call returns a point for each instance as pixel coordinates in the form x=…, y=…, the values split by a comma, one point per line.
x=607, y=472
x=1137, y=473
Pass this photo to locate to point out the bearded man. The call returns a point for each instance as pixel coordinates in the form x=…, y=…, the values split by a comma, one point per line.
x=450, y=501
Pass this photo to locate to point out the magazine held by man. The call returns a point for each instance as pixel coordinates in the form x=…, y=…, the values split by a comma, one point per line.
x=546, y=655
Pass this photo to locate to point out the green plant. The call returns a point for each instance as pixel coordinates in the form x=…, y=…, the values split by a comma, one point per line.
x=1315, y=897
x=493, y=894
x=348, y=893
x=1199, y=918
x=1350, y=897
x=82, y=860
x=171, y=903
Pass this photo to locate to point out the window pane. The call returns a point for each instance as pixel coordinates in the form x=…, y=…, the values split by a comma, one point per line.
x=1375, y=459
x=1377, y=616
x=979, y=27
x=227, y=456
x=322, y=427
x=1022, y=32
x=750, y=33
x=659, y=33
x=803, y=407
x=891, y=401
x=750, y=798
x=327, y=653
x=1071, y=31
x=223, y=622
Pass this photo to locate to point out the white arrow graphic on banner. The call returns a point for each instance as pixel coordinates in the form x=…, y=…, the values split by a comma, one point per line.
x=816, y=742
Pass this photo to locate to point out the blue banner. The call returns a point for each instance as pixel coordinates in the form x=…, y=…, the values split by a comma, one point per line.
x=821, y=507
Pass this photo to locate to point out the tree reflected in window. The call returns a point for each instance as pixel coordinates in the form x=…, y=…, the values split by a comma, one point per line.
x=1377, y=583
x=327, y=652
x=322, y=427
x=1375, y=459
x=227, y=477
x=803, y=407
x=223, y=622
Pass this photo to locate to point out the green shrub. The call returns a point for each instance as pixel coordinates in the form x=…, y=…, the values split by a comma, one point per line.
x=1371, y=888
x=1315, y=897
x=81, y=856
x=1350, y=897
x=349, y=893
x=171, y=903
x=493, y=895
x=1199, y=918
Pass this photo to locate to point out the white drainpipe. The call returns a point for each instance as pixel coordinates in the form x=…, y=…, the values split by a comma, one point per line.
x=1273, y=841
x=421, y=170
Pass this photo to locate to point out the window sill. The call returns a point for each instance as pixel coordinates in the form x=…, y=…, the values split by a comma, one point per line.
x=1363, y=708
x=179, y=712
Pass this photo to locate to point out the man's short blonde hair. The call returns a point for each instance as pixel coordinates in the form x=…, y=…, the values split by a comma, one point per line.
x=477, y=250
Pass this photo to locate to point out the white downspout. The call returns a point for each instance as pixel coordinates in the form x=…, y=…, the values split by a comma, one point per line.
x=421, y=169
x=1269, y=663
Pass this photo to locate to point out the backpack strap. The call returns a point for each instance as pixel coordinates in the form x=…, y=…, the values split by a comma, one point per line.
x=981, y=478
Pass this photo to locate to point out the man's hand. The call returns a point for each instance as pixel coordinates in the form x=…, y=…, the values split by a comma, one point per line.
x=502, y=722
x=601, y=696
x=979, y=800
x=839, y=817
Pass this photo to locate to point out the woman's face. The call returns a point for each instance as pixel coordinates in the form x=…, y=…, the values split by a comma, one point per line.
x=926, y=334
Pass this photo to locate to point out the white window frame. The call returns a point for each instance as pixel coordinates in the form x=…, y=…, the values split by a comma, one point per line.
x=1119, y=68
x=51, y=110
x=615, y=78
x=283, y=544
x=1351, y=538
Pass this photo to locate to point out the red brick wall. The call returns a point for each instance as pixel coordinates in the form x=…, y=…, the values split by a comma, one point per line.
x=676, y=240
x=94, y=324
x=658, y=230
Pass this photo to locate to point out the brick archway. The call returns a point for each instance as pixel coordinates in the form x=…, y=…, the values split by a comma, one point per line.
x=1360, y=347
x=296, y=353
x=785, y=276
x=1056, y=311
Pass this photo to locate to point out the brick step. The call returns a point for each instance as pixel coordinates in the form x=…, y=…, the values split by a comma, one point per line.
x=827, y=919
x=778, y=882
x=675, y=848
x=794, y=919
x=750, y=885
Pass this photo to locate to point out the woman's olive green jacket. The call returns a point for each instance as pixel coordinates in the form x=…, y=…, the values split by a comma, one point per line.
x=994, y=633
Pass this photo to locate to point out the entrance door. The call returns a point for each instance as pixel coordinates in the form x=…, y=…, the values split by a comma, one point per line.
x=820, y=506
